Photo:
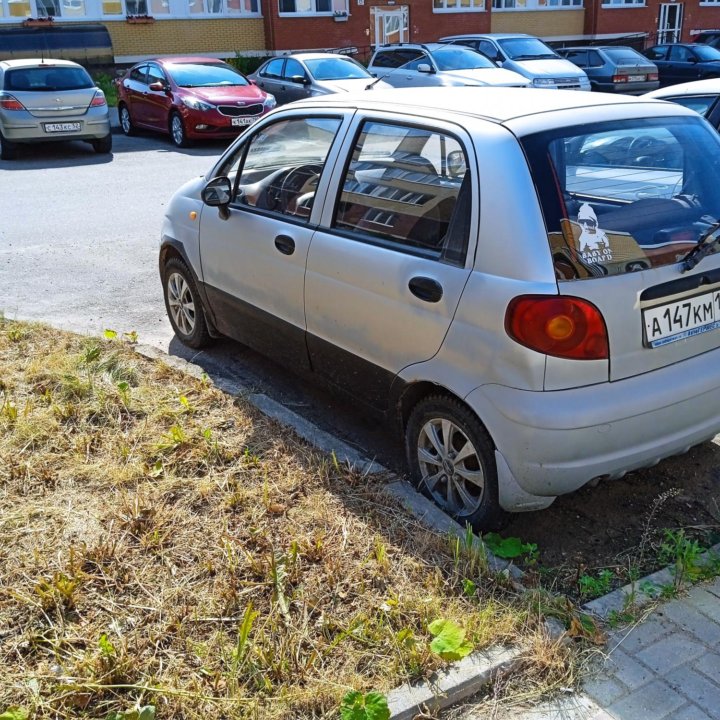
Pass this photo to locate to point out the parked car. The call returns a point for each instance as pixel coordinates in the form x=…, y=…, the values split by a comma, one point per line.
x=678, y=62
x=50, y=100
x=709, y=37
x=528, y=291
x=436, y=64
x=702, y=96
x=527, y=55
x=191, y=98
x=614, y=68
x=303, y=75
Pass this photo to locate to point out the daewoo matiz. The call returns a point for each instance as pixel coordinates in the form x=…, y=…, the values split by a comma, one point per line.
x=526, y=281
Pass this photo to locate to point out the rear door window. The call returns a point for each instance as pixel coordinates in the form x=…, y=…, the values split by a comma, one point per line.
x=626, y=196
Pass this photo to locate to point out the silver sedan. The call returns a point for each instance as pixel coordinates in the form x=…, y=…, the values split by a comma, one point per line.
x=304, y=75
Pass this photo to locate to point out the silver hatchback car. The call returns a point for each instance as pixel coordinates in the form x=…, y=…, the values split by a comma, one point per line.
x=526, y=282
x=50, y=100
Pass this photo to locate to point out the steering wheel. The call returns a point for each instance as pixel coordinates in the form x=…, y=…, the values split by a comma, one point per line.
x=297, y=182
x=642, y=143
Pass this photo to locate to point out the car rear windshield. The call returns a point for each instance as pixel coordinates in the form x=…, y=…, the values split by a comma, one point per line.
x=336, y=69
x=205, y=75
x=625, y=55
x=626, y=196
x=529, y=48
x=47, y=79
x=455, y=57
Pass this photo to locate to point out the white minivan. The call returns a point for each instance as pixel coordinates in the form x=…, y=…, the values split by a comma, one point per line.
x=528, y=56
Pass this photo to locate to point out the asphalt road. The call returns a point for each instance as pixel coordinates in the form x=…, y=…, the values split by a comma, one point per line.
x=79, y=235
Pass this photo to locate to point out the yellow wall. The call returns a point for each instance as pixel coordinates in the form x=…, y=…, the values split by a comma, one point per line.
x=173, y=37
x=543, y=23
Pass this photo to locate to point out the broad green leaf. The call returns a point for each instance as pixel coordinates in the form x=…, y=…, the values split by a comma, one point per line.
x=449, y=642
x=110, y=334
x=15, y=713
x=507, y=548
x=356, y=706
x=469, y=587
x=376, y=707
x=146, y=713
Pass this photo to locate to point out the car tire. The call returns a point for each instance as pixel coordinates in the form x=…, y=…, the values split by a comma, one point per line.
x=466, y=488
x=103, y=145
x=184, y=306
x=177, y=131
x=8, y=150
x=126, y=122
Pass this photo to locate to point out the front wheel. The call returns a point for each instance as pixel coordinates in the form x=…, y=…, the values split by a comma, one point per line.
x=177, y=131
x=183, y=304
x=126, y=122
x=452, y=461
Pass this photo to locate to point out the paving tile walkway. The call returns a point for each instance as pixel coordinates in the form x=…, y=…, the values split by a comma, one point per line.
x=665, y=668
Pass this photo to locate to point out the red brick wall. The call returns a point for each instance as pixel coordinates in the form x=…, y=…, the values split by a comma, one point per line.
x=601, y=21
x=304, y=33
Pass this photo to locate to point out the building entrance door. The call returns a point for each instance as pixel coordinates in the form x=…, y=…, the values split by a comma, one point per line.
x=391, y=24
x=670, y=23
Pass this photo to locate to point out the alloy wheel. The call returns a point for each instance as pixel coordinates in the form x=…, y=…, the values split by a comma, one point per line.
x=125, y=121
x=450, y=466
x=181, y=303
x=177, y=130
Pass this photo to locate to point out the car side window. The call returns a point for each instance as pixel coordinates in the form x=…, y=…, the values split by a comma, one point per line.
x=273, y=69
x=396, y=58
x=280, y=167
x=680, y=54
x=155, y=74
x=579, y=57
x=407, y=188
x=657, y=53
x=487, y=48
x=293, y=68
x=594, y=59
x=419, y=60
x=139, y=73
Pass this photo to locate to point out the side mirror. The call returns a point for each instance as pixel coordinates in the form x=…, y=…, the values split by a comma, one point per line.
x=158, y=86
x=425, y=68
x=217, y=193
x=692, y=59
x=456, y=165
x=299, y=80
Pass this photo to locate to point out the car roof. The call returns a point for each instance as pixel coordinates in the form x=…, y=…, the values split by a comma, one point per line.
x=669, y=44
x=697, y=87
x=186, y=59
x=496, y=36
x=313, y=56
x=596, y=47
x=496, y=104
x=35, y=62
x=426, y=46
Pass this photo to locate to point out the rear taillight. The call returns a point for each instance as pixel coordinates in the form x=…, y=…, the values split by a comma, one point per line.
x=8, y=102
x=565, y=327
x=652, y=76
x=620, y=78
x=98, y=100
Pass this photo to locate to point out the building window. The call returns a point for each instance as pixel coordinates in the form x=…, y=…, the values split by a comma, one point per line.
x=312, y=7
x=564, y=3
x=621, y=3
x=536, y=4
x=459, y=5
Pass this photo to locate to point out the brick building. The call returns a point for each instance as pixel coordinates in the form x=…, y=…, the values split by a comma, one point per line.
x=144, y=28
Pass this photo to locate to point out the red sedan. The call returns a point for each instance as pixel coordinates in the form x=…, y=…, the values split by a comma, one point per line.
x=190, y=98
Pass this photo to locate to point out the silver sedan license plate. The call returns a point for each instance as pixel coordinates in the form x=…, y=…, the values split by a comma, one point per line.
x=62, y=127
x=243, y=121
x=636, y=78
x=682, y=319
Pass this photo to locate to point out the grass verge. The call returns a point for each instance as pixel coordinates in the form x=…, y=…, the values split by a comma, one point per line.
x=165, y=545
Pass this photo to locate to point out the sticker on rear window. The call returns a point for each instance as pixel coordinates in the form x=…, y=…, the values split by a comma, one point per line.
x=593, y=244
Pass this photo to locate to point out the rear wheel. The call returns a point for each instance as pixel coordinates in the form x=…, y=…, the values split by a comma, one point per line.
x=8, y=150
x=183, y=304
x=177, y=131
x=126, y=122
x=452, y=461
x=103, y=145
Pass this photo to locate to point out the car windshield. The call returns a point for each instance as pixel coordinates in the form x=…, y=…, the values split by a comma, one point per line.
x=47, y=79
x=526, y=49
x=626, y=196
x=336, y=69
x=625, y=55
x=454, y=57
x=707, y=53
x=205, y=75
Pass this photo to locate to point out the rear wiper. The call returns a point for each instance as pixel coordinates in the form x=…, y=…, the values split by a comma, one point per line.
x=706, y=244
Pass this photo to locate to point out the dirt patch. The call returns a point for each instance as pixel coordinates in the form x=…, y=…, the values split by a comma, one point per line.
x=620, y=525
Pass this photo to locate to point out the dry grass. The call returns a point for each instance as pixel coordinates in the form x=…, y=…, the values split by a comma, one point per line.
x=162, y=543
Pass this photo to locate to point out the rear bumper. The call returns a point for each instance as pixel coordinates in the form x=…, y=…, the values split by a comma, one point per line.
x=627, y=88
x=555, y=442
x=22, y=127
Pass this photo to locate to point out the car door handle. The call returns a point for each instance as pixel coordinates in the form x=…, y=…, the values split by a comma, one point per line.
x=285, y=244
x=426, y=289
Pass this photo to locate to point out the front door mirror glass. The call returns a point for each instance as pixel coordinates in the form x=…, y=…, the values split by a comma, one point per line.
x=217, y=192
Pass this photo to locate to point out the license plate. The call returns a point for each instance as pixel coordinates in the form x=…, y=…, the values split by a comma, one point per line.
x=243, y=121
x=62, y=127
x=636, y=78
x=682, y=319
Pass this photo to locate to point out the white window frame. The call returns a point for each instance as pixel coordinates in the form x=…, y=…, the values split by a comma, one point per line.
x=455, y=6
x=337, y=7
x=536, y=5
x=621, y=4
